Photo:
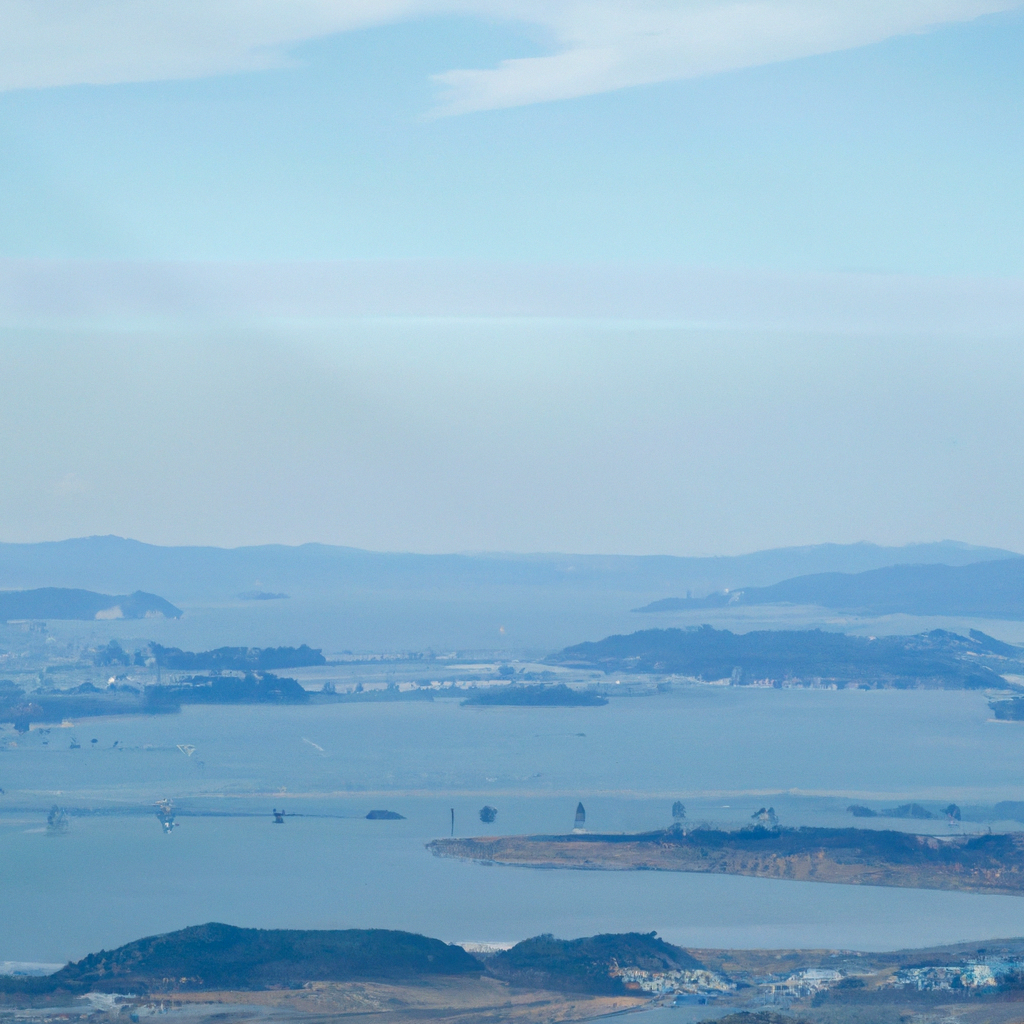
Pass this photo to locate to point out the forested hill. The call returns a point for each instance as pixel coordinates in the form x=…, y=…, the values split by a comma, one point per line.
x=992, y=589
x=237, y=658
x=938, y=658
x=214, y=957
x=219, y=956
x=587, y=965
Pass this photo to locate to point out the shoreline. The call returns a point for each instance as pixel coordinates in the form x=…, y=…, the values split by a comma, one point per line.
x=990, y=863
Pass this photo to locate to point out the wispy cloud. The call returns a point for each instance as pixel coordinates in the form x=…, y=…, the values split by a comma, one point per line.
x=98, y=42
x=596, y=45
x=97, y=294
x=611, y=44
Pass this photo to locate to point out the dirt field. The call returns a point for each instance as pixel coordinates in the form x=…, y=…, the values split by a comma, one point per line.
x=951, y=864
x=463, y=1000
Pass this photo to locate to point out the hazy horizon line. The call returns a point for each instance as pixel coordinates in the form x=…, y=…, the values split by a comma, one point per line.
x=168, y=293
x=508, y=553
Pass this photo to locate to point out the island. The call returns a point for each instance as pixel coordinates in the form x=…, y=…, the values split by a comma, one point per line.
x=64, y=603
x=991, y=863
x=130, y=682
x=938, y=659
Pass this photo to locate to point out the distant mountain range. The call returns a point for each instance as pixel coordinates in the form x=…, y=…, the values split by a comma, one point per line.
x=61, y=603
x=985, y=589
x=938, y=658
x=207, y=573
x=346, y=599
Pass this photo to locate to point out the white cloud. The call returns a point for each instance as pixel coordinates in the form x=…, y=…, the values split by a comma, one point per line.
x=611, y=44
x=97, y=42
x=597, y=45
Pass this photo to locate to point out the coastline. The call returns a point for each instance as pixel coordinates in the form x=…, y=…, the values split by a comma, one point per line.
x=991, y=863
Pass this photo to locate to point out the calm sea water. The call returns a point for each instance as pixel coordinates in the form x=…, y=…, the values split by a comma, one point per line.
x=113, y=877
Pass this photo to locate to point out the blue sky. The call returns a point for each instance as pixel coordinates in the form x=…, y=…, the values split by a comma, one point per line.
x=690, y=277
x=901, y=156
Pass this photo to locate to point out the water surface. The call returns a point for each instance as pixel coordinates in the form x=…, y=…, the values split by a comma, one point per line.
x=113, y=877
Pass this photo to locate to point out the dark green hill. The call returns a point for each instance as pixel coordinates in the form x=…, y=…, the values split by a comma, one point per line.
x=219, y=956
x=58, y=603
x=584, y=965
x=252, y=688
x=237, y=658
x=938, y=658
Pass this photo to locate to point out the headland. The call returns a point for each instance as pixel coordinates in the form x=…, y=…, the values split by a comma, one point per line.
x=991, y=863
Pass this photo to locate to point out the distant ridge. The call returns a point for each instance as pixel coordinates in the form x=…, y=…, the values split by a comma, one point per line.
x=61, y=603
x=198, y=574
x=985, y=589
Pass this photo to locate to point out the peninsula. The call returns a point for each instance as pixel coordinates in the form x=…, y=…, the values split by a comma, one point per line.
x=992, y=863
x=939, y=659
x=62, y=603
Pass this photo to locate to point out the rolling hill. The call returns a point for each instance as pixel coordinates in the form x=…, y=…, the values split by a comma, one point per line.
x=938, y=658
x=220, y=956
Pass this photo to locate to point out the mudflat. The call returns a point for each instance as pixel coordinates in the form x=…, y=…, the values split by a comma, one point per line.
x=992, y=863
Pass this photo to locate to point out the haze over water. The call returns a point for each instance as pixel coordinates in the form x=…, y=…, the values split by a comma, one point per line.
x=724, y=751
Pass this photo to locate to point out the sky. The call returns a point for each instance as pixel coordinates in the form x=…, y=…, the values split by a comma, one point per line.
x=694, y=277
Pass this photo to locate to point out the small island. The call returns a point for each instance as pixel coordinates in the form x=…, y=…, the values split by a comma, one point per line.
x=992, y=863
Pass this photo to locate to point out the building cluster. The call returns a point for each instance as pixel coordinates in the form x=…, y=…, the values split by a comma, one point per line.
x=947, y=978
x=663, y=982
x=801, y=985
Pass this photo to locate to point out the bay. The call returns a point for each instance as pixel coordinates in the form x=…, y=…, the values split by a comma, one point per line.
x=114, y=875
